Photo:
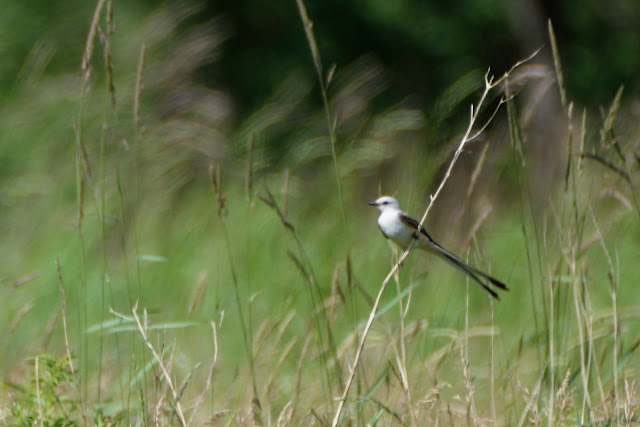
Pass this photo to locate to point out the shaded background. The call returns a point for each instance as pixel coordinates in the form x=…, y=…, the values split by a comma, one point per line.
x=423, y=46
x=225, y=65
x=220, y=73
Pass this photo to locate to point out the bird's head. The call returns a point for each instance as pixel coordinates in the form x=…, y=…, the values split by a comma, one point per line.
x=385, y=202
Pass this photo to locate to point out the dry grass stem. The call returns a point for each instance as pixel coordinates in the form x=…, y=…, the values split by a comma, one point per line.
x=556, y=63
x=464, y=351
x=477, y=225
x=53, y=319
x=88, y=50
x=579, y=310
x=285, y=192
x=139, y=86
x=63, y=305
x=489, y=84
x=365, y=332
x=86, y=168
x=40, y=413
x=311, y=40
x=533, y=397
x=207, y=386
x=142, y=330
x=285, y=415
x=300, y=364
x=551, y=356
x=105, y=40
x=492, y=368
x=629, y=406
x=477, y=170
x=401, y=359
x=197, y=297
x=20, y=315
x=24, y=280
x=563, y=398
x=249, y=183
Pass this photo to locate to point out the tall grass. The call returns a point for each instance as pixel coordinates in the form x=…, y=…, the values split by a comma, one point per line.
x=180, y=300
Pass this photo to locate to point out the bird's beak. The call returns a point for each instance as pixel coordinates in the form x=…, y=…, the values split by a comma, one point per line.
x=372, y=204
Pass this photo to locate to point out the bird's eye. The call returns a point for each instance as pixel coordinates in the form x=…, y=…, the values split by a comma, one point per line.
x=385, y=203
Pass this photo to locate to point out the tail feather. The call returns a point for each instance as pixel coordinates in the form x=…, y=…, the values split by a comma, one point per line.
x=455, y=262
x=472, y=272
x=493, y=280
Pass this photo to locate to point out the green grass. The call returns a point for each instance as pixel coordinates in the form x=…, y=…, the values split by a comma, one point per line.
x=151, y=237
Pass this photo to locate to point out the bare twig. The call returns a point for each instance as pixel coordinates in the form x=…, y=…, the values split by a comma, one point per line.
x=490, y=83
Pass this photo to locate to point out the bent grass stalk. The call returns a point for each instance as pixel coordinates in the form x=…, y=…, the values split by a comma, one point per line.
x=314, y=293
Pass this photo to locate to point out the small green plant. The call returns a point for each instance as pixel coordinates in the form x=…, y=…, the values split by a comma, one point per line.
x=48, y=397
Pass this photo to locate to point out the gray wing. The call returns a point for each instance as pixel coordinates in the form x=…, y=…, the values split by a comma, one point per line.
x=413, y=224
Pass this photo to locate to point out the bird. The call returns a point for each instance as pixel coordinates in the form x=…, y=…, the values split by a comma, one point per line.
x=401, y=228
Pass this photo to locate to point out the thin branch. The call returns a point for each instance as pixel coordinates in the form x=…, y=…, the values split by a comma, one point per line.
x=489, y=85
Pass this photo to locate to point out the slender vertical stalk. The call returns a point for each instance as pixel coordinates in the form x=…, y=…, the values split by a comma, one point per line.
x=137, y=95
x=402, y=363
x=551, y=356
x=614, y=304
x=216, y=179
x=331, y=121
x=492, y=369
x=82, y=167
x=248, y=240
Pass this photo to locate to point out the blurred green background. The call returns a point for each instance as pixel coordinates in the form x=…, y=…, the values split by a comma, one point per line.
x=423, y=46
x=124, y=200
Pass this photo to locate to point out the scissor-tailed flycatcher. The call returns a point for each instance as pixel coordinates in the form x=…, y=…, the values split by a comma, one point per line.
x=401, y=229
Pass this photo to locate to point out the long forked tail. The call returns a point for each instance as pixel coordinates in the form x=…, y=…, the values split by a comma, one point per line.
x=472, y=272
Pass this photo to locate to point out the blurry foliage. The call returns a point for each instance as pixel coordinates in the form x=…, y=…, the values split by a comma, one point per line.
x=599, y=43
x=423, y=45
x=220, y=73
x=426, y=45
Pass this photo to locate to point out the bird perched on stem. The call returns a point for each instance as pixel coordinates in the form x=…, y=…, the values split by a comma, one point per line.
x=401, y=228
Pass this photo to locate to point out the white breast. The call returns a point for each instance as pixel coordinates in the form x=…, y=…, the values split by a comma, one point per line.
x=394, y=228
